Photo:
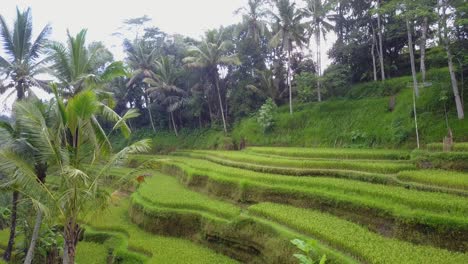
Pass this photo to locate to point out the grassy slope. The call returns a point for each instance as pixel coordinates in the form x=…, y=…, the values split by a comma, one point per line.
x=365, y=122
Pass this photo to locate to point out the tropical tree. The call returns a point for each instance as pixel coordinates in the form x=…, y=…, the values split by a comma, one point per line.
x=209, y=56
x=8, y=135
x=23, y=62
x=319, y=13
x=27, y=158
x=164, y=88
x=289, y=33
x=21, y=65
x=141, y=57
x=268, y=87
x=84, y=143
x=443, y=5
x=380, y=35
x=75, y=65
x=253, y=19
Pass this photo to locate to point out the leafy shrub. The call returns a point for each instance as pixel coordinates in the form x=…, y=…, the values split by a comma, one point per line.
x=265, y=116
x=308, y=252
x=306, y=85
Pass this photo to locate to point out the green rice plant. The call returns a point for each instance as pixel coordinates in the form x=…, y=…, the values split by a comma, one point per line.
x=409, y=206
x=366, y=246
x=158, y=249
x=166, y=191
x=336, y=153
x=338, y=173
x=270, y=238
x=91, y=252
x=441, y=160
x=450, y=179
x=457, y=146
x=335, y=164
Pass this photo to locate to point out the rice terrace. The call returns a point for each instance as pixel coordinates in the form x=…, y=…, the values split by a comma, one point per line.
x=290, y=131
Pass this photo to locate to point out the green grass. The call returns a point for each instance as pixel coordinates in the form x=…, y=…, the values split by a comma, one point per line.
x=365, y=245
x=457, y=146
x=358, y=165
x=333, y=153
x=4, y=235
x=160, y=249
x=91, y=253
x=365, y=122
x=443, y=178
x=166, y=191
x=434, y=209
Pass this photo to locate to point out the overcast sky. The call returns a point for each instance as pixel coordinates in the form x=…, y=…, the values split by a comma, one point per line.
x=104, y=17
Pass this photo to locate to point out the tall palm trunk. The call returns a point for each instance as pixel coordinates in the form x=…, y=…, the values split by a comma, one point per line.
x=423, y=48
x=374, y=66
x=20, y=94
x=41, y=173
x=35, y=236
x=381, y=54
x=413, y=66
x=319, y=64
x=289, y=82
x=453, y=78
x=174, y=124
x=149, y=112
x=71, y=235
x=220, y=102
x=13, y=218
x=14, y=203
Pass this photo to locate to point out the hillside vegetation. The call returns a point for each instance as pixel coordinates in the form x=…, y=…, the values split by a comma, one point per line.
x=362, y=119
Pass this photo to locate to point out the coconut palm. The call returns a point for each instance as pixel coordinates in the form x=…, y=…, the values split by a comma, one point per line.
x=22, y=63
x=84, y=141
x=318, y=12
x=26, y=159
x=164, y=89
x=289, y=33
x=73, y=66
x=141, y=57
x=268, y=86
x=209, y=55
x=253, y=20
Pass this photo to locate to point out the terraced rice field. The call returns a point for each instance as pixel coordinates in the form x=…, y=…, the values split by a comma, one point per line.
x=360, y=206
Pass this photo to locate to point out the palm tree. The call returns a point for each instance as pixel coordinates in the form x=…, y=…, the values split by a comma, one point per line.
x=290, y=32
x=444, y=31
x=84, y=141
x=253, y=22
x=163, y=87
x=318, y=12
x=73, y=66
x=23, y=61
x=268, y=87
x=22, y=159
x=141, y=57
x=209, y=56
